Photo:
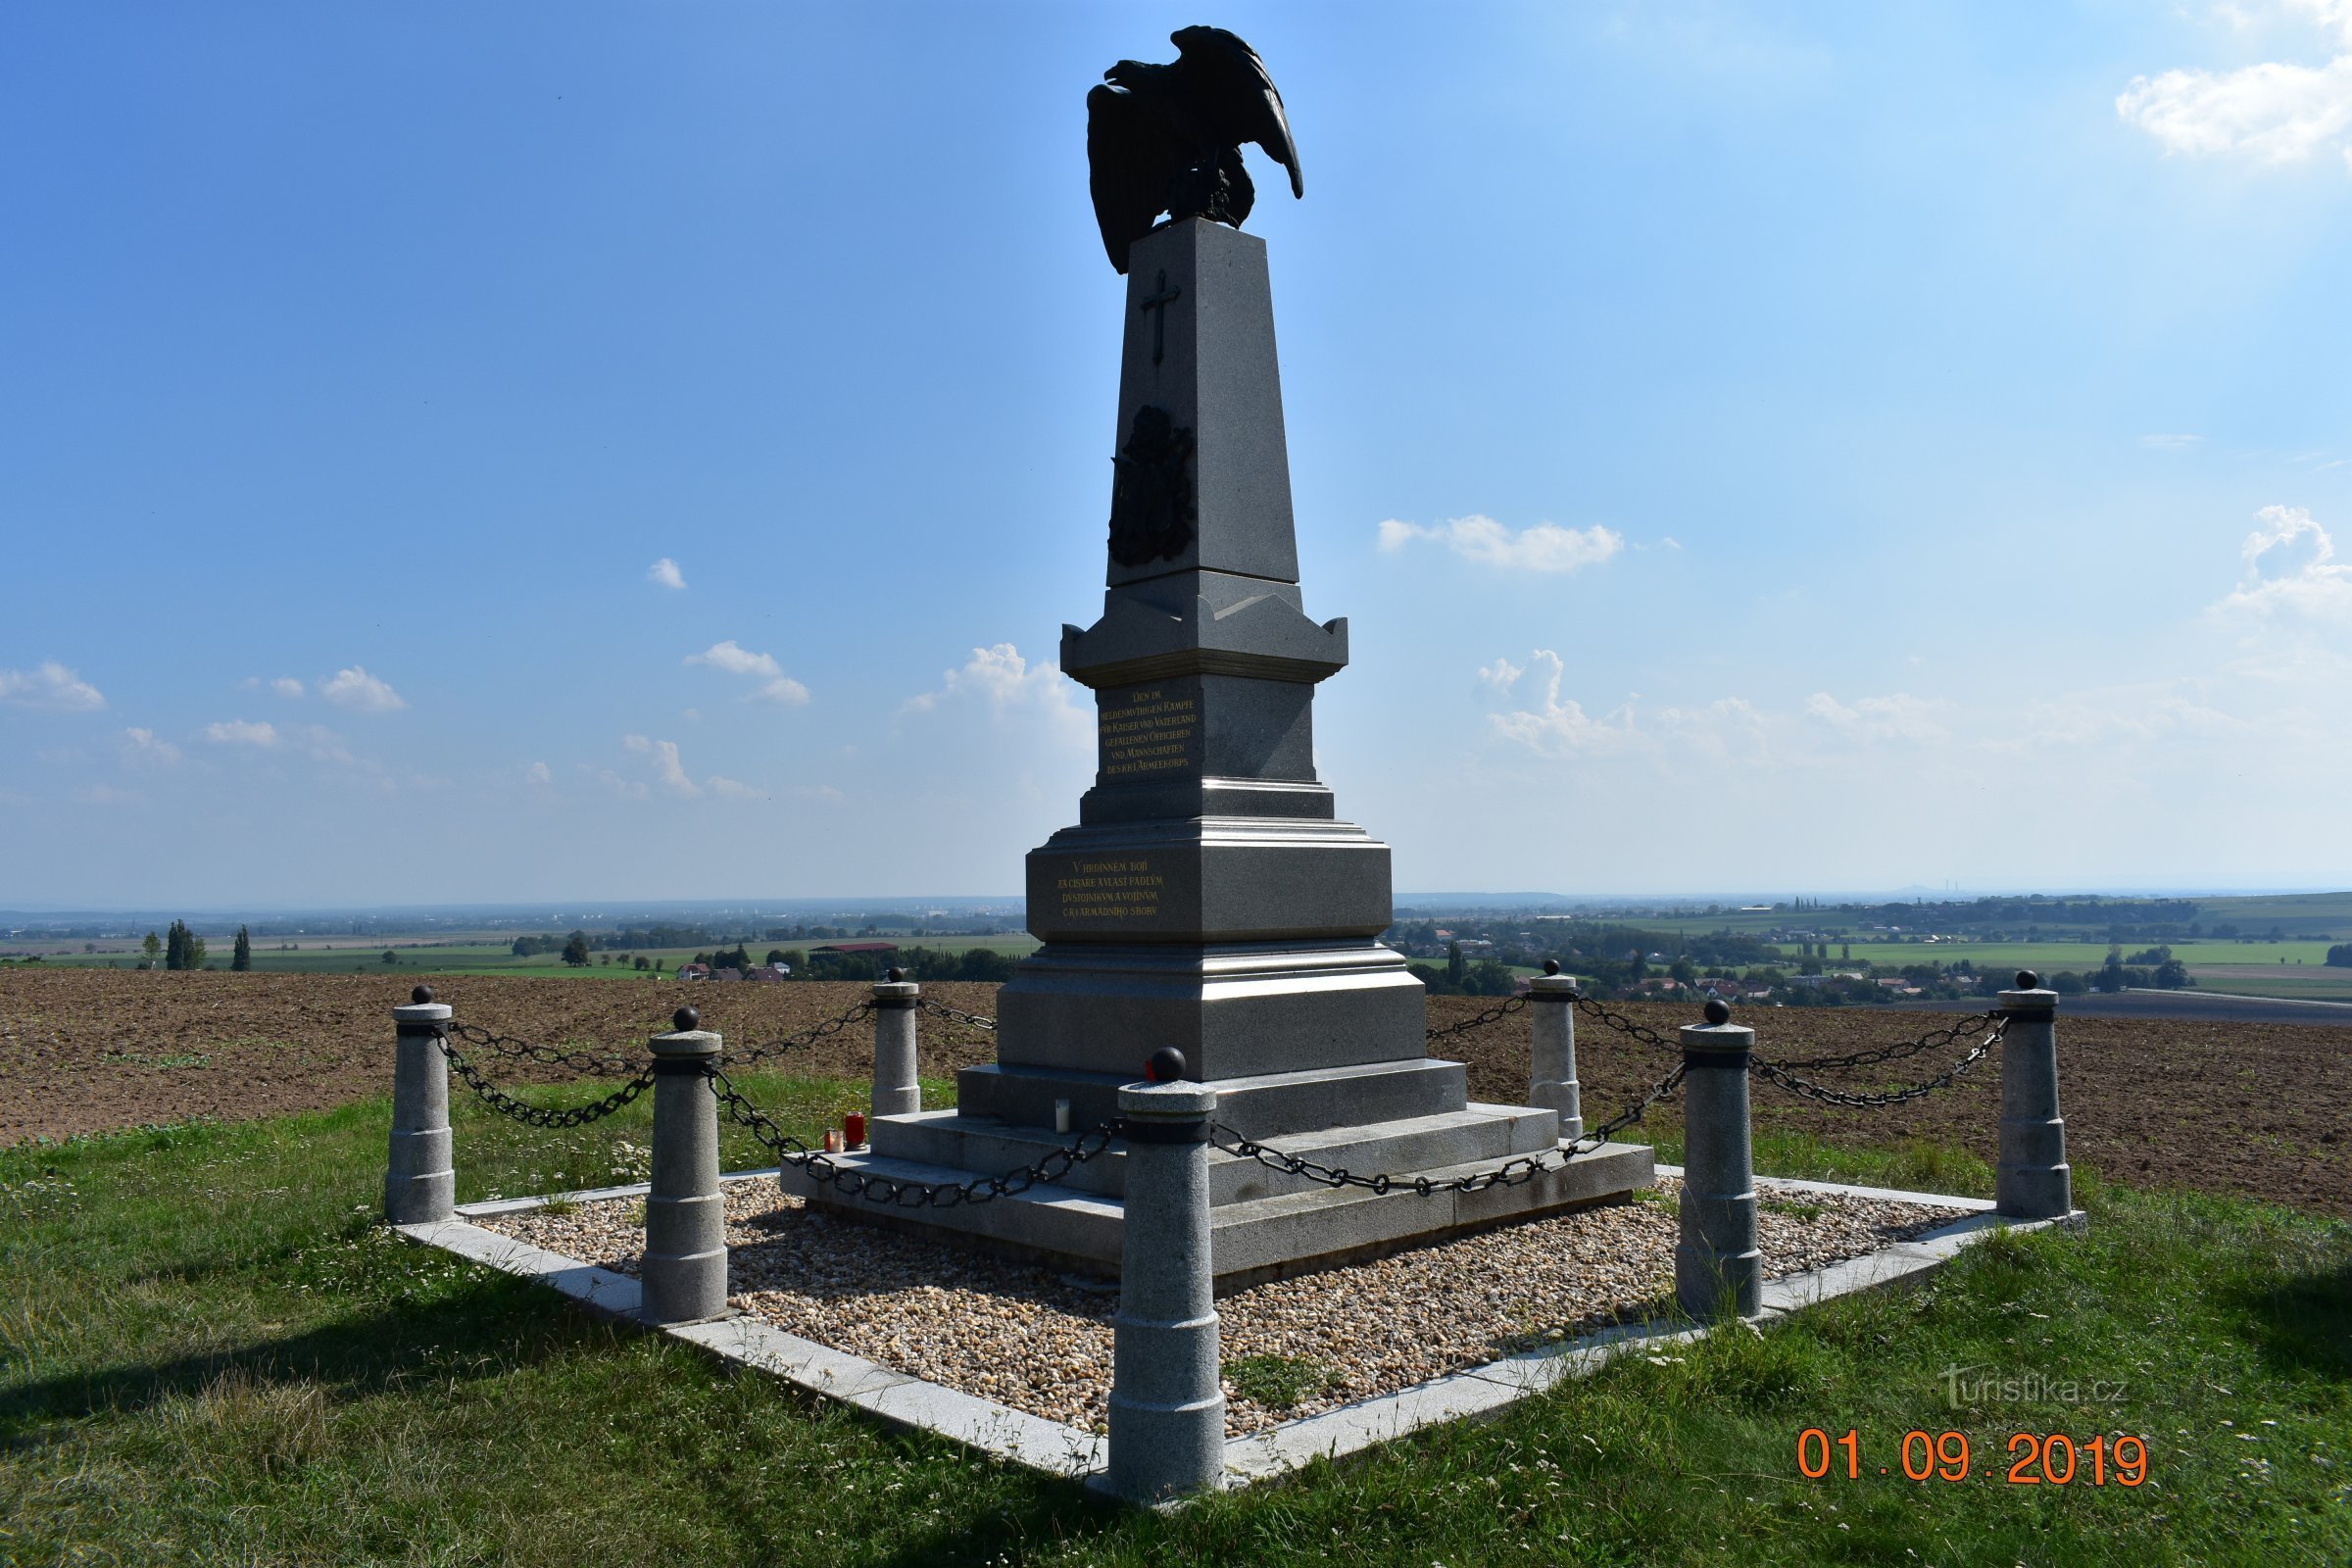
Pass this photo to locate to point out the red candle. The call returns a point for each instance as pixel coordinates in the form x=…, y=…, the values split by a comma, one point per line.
x=853, y=1129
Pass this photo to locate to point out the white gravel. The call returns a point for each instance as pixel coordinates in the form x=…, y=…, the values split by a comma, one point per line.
x=1040, y=1340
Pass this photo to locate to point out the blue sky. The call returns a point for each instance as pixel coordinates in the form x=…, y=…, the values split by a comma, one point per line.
x=1757, y=447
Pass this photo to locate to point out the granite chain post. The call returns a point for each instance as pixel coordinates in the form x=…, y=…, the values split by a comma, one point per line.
x=1552, y=1048
x=2033, y=1180
x=685, y=1274
x=1167, y=1404
x=420, y=1181
x=1717, y=1259
x=897, y=1091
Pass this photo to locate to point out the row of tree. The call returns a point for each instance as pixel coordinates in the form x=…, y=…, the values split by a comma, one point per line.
x=182, y=948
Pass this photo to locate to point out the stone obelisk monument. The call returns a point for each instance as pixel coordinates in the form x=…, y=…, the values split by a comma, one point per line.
x=1209, y=898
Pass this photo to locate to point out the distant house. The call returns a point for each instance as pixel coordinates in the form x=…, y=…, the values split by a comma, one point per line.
x=693, y=971
x=726, y=974
x=765, y=972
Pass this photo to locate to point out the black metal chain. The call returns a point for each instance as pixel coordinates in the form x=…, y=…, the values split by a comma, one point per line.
x=1601, y=1014
x=1996, y=1020
x=507, y=1105
x=1510, y=1173
x=507, y=1048
x=1491, y=1015
x=898, y=1193
x=805, y=1039
x=956, y=1014
x=1779, y=1075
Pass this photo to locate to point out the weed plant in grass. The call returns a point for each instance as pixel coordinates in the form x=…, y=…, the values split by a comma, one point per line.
x=209, y=1351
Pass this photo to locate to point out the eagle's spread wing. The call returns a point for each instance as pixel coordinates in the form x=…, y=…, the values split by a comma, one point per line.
x=1237, y=98
x=1129, y=188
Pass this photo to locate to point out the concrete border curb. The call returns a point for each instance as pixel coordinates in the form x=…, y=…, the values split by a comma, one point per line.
x=1000, y=1432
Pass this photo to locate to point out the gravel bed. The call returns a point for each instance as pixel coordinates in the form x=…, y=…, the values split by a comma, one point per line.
x=1040, y=1340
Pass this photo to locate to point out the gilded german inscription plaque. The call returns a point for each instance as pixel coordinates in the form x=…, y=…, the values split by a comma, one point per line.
x=1148, y=730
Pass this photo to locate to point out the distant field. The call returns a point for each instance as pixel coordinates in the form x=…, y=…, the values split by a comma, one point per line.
x=355, y=955
x=2081, y=956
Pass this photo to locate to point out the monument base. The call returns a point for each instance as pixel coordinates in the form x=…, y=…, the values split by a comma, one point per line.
x=1263, y=1223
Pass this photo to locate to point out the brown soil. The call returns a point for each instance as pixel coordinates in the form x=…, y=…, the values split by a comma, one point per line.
x=86, y=1049
x=2262, y=1109
x=2240, y=1107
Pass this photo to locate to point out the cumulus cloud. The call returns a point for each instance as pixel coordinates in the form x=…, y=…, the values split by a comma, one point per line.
x=735, y=789
x=1556, y=725
x=668, y=771
x=287, y=686
x=1502, y=675
x=1541, y=547
x=141, y=745
x=665, y=573
x=537, y=773
x=357, y=690
x=2290, y=569
x=50, y=685
x=238, y=732
x=1000, y=676
x=2275, y=112
x=774, y=685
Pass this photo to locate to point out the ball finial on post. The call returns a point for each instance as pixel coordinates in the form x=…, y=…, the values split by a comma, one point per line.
x=1167, y=1066
x=421, y=994
x=2028, y=980
x=897, y=974
x=1551, y=966
x=686, y=1021
x=1718, y=1010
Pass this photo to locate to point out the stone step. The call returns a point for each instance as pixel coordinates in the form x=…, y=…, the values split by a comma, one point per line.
x=1265, y=1107
x=1251, y=1241
x=1478, y=1132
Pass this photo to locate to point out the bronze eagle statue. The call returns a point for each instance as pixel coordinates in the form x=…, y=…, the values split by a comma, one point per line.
x=1168, y=138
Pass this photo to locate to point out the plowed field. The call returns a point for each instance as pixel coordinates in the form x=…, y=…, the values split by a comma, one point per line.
x=2255, y=1109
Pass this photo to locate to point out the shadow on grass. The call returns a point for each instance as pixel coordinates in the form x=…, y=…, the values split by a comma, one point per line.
x=485, y=1330
x=2303, y=1325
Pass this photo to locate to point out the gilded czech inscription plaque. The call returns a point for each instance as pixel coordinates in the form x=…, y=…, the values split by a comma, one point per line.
x=1148, y=730
x=1113, y=888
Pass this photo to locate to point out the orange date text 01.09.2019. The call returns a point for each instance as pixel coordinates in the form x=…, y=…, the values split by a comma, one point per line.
x=2031, y=1458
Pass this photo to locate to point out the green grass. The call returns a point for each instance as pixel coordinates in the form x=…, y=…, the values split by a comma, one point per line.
x=209, y=1353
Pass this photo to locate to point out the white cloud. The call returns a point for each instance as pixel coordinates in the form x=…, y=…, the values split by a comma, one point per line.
x=1541, y=547
x=671, y=772
x=356, y=689
x=288, y=686
x=1012, y=687
x=238, y=732
x=2169, y=443
x=1555, y=726
x=774, y=685
x=51, y=685
x=1897, y=716
x=736, y=660
x=735, y=789
x=2275, y=112
x=1502, y=675
x=2141, y=712
x=2291, y=568
x=665, y=573
x=141, y=745
x=537, y=773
